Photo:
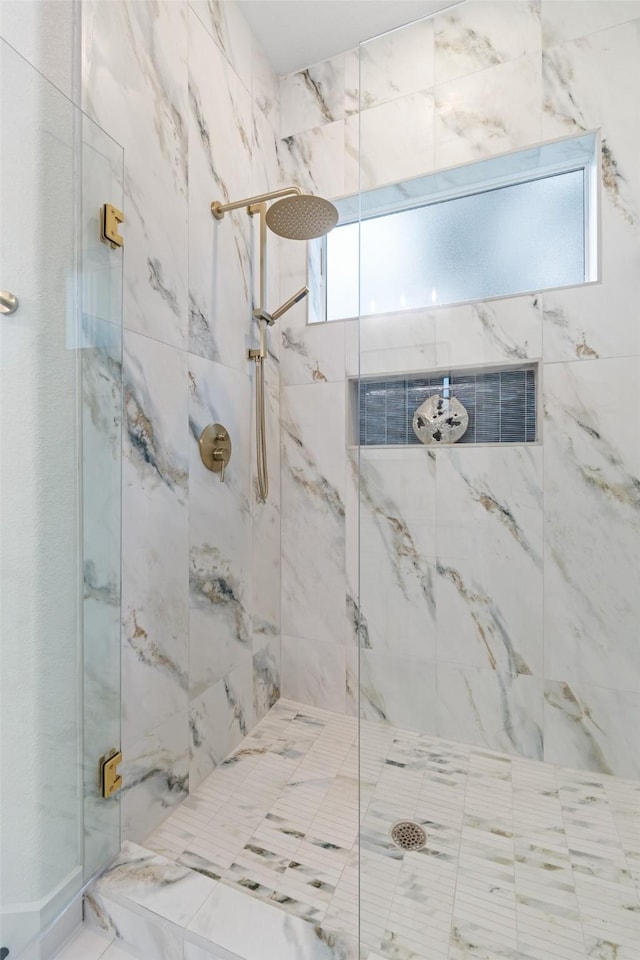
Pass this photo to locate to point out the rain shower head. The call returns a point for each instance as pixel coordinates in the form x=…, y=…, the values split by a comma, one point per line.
x=299, y=216
x=302, y=217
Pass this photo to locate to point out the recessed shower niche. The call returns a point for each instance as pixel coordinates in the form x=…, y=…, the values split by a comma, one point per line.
x=472, y=406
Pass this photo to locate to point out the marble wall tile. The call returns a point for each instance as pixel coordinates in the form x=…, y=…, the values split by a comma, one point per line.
x=314, y=672
x=396, y=64
x=592, y=522
x=588, y=84
x=220, y=528
x=267, y=679
x=397, y=552
x=151, y=937
x=497, y=710
x=190, y=95
x=397, y=690
x=313, y=481
x=155, y=772
x=398, y=343
x=220, y=276
x=491, y=331
x=312, y=354
x=490, y=578
x=218, y=720
x=351, y=82
x=491, y=112
x=312, y=97
x=257, y=931
x=564, y=20
x=155, y=552
x=314, y=159
x=231, y=32
x=154, y=882
x=132, y=55
x=396, y=140
x=592, y=728
x=477, y=35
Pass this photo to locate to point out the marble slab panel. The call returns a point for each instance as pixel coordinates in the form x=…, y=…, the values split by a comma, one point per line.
x=313, y=481
x=231, y=32
x=397, y=343
x=489, y=112
x=220, y=168
x=564, y=20
x=397, y=689
x=314, y=159
x=590, y=84
x=267, y=678
x=231, y=919
x=397, y=552
x=155, y=536
x=138, y=929
x=220, y=523
x=396, y=64
x=311, y=353
x=152, y=881
x=218, y=720
x=155, y=773
x=592, y=522
x=490, y=578
x=477, y=35
x=491, y=331
x=396, y=140
x=592, y=728
x=135, y=88
x=314, y=672
x=499, y=711
x=312, y=97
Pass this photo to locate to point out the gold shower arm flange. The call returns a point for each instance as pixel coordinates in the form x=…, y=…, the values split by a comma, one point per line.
x=218, y=209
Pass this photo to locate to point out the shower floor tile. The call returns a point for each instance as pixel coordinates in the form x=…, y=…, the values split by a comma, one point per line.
x=523, y=859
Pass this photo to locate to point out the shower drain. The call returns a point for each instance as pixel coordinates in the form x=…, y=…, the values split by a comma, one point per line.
x=408, y=835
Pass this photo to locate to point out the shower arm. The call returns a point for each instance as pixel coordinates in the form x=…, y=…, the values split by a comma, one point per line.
x=218, y=209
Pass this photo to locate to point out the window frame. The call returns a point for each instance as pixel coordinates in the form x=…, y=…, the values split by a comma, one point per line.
x=582, y=152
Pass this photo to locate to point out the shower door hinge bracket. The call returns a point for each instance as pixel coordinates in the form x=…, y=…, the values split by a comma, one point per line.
x=110, y=779
x=110, y=220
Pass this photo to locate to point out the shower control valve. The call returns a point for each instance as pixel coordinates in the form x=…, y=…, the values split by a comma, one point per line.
x=215, y=448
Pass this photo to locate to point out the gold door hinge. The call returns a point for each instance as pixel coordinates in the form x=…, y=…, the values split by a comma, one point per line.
x=110, y=779
x=110, y=220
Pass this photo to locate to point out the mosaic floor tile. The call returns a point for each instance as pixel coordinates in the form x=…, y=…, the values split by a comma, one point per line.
x=523, y=860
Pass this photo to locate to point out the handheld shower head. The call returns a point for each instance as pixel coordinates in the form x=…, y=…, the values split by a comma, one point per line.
x=302, y=217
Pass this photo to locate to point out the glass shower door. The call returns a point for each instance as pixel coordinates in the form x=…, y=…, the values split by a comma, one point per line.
x=60, y=422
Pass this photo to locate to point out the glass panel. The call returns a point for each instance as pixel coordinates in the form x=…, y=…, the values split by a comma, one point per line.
x=60, y=399
x=498, y=610
x=512, y=239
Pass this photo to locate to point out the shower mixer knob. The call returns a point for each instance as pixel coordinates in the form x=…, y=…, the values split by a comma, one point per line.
x=215, y=448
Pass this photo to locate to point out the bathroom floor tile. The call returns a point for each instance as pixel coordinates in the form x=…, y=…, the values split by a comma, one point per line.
x=522, y=859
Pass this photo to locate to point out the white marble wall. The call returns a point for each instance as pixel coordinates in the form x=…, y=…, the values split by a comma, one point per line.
x=497, y=584
x=185, y=88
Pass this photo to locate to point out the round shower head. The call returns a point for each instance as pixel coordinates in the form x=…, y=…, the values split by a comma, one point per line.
x=302, y=217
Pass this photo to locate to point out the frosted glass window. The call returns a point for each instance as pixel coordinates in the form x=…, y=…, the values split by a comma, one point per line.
x=512, y=238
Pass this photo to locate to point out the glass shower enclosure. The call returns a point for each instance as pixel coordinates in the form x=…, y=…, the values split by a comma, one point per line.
x=496, y=565
x=60, y=423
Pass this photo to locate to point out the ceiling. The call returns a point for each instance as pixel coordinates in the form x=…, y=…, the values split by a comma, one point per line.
x=298, y=33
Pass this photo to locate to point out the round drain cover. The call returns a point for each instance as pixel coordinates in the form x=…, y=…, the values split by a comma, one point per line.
x=408, y=835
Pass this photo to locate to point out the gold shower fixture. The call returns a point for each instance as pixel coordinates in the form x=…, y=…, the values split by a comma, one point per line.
x=296, y=216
